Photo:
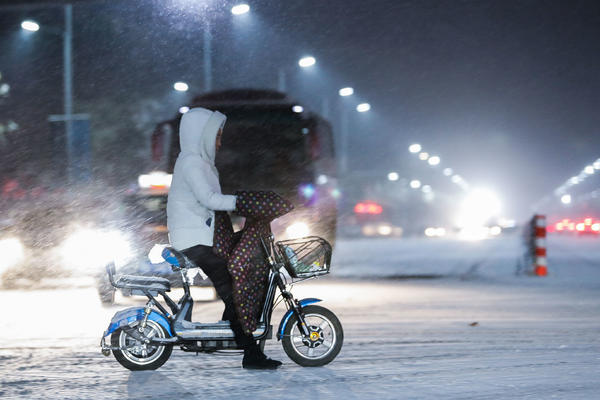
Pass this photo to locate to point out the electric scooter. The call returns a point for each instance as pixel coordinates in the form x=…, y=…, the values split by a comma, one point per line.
x=142, y=338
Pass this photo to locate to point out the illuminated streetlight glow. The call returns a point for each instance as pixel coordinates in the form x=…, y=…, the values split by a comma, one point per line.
x=30, y=26
x=423, y=156
x=347, y=91
x=363, y=107
x=426, y=189
x=477, y=208
x=456, y=179
x=574, y=180
x=297, y=109
x=184, y=109
x=414, y=148
x=434, y=160
x=240, y=9
x=393, y=176
x=589, y=169
x=565, y=199
x=448, y=171
x=306, y=62
x=415, y=184
x=597, y=164
x=181, y=86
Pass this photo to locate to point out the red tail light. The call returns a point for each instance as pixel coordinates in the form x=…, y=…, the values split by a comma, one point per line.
x=368, y=208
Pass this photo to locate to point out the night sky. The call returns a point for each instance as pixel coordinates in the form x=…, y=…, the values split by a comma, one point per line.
x=506, y=92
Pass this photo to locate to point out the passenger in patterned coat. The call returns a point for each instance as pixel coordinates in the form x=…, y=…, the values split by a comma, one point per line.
x=194, y=196
x=244, y=254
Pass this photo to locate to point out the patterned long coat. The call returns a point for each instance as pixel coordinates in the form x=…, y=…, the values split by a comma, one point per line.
x=246, y=263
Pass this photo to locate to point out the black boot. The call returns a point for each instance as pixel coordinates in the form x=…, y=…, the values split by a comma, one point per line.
x=254, y=358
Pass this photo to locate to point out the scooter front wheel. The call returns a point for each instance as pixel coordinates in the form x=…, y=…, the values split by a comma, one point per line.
x=137, y=356
x=325, y=341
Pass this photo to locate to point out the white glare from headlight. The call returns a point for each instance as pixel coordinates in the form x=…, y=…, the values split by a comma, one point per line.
x=89, y=248
x=384, y=230
x=11, y=253
x=297, y=230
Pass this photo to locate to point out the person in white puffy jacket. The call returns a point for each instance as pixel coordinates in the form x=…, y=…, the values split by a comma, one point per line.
x=194, y=196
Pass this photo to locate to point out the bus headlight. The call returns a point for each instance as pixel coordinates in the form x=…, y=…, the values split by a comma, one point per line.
x=90, y=248
x=11, y=252
x=297, y=230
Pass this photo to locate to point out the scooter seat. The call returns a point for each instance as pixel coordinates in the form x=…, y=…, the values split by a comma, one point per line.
x=144, y=282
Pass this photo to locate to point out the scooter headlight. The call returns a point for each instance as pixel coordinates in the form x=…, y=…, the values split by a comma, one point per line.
x=297, y=230
x=11, y=252
x=90, y=248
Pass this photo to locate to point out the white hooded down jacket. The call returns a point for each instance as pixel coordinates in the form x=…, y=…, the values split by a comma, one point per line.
x=195, y=191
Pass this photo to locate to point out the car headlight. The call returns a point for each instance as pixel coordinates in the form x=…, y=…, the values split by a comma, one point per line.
x=11, y=252
x=90, y=248
x=297, y=230
x=384, y=230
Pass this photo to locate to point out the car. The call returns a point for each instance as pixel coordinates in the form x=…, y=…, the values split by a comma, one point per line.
x=59, y=236
x=368, y=219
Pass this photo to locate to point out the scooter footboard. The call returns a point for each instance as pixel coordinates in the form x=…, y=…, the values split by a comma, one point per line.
x=129, y=315
x=289, y=313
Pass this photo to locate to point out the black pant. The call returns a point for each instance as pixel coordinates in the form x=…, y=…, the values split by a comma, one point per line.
x=216, y=269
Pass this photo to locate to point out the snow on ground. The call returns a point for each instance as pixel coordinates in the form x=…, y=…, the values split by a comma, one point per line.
x=479, y=331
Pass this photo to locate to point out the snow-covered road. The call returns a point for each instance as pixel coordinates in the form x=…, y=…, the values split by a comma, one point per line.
x=479, y=331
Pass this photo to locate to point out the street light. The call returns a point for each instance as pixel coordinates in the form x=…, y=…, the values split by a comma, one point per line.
x=448, y=171
x=433, y=160
x=363, y=107
x=298, y=109
x=307, y=61
x=30, y=26
x=236, y=10
x=423, y=156
x=414, y=148
x=347, y=91
x=393, y=176
x=240, y=9
x=184, y=109
x=67, y=37
x=181, y=86
x=415, y=184
x=565, y=199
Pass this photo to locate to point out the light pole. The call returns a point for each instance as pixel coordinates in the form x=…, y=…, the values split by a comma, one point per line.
x=239, y=9
x=68, y=76
x=67, y=36
x=207, y=57
x=304, y=62
x=344, y=122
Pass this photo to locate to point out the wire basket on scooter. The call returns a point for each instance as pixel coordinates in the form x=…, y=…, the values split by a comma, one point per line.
x=306, y=257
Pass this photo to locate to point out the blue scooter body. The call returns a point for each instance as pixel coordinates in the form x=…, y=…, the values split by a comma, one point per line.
x=129, y=315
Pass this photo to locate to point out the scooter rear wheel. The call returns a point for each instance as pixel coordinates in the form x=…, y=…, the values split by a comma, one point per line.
x=325, y=342
x=137, y=356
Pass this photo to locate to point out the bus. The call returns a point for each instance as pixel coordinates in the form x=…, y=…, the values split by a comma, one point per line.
x=269, y=143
